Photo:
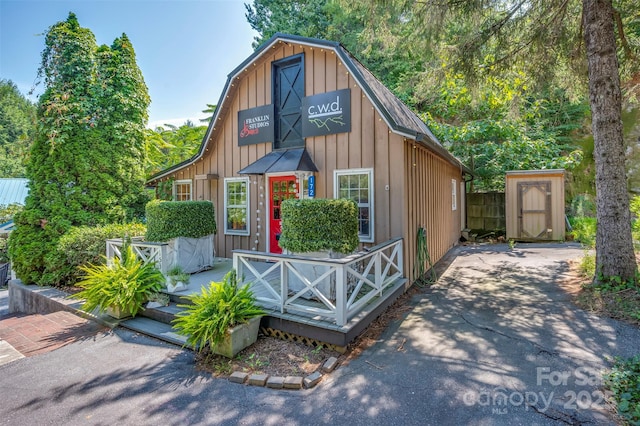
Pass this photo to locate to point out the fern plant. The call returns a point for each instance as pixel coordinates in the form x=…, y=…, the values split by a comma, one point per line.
x=125, y=285
x=210, y=315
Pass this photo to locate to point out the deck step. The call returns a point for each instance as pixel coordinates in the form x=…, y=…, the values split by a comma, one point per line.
x=164, y=314
x=155, y=329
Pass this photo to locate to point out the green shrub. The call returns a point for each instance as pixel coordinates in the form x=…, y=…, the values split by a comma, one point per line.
x=588, y=264
x=171, y=219
x=31, y=242
x=209, y=316
x=624, y=382
x=584, y=230
x=84, y=245
x=126, y=284
x=4, y=255
x=319, y=224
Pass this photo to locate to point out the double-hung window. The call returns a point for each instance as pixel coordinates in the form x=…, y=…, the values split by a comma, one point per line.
x=182, y=190
x=236, y=206
x=357, y=185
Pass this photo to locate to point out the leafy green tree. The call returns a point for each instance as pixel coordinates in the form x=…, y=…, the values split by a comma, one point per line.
x=86, y=161
x=170, y=146
x=17, y=127
x=502, y=126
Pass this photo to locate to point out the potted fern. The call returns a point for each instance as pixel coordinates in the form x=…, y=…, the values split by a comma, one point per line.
x=224, y=317
x=120, y=289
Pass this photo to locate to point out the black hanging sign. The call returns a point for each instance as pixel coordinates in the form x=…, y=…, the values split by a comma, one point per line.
x=255, y=125
x=326, y=113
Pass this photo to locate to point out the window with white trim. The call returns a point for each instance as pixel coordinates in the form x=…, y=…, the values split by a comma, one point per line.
x=182, y=190
x=454, y=195
x=357, y=185
x=236, y=206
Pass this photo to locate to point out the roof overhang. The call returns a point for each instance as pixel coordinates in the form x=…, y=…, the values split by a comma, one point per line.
x=290, y=160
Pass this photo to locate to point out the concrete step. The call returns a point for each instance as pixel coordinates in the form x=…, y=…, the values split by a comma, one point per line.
x=156, y=329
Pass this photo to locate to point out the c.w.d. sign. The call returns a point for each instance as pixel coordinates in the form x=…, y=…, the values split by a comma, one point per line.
x=326, y=113
x=255, y=125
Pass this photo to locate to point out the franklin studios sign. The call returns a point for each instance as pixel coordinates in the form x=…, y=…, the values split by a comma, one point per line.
x=326, y=113
x=255, y=125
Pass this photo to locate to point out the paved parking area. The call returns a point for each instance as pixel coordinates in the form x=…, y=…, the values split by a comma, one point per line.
x=496, y=341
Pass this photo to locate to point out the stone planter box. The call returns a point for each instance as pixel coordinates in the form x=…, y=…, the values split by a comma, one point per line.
x=238, y=338
x=191, y=254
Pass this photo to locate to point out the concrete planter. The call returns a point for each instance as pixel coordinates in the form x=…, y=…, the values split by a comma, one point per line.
x=238, y=338
x=117, y=312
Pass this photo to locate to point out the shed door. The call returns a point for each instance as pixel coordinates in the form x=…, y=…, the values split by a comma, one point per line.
x=288, y=91
x=534, y=210
x=280, y=188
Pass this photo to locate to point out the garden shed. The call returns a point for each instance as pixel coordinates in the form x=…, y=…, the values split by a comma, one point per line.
x=535, y=205
x=302, y=118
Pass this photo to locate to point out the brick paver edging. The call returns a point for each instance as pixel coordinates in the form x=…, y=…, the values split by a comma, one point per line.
x=288, y=382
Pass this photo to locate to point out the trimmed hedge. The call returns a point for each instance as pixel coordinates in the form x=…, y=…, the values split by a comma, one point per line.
x=319, y=224
x=172, y=219
x=84, y=245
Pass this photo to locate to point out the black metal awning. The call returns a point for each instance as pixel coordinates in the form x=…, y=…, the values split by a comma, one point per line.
x=289, y=160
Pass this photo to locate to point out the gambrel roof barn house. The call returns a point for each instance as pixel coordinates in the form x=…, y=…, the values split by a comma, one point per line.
x=302, y=117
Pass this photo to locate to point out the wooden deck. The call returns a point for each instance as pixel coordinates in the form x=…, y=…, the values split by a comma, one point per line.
x=309, y=317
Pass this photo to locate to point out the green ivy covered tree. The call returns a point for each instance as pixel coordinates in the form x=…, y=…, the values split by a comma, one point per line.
x=87, y=159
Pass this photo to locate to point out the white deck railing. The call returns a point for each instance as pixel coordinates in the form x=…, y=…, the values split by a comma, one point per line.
x=353, y=280
x=148, y=252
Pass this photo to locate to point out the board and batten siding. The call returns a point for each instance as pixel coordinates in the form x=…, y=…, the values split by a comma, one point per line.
x=406, y=196
x=366, y=146
x=428, y=203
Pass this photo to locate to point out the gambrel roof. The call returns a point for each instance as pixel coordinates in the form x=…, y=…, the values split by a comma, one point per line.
x=400, y=119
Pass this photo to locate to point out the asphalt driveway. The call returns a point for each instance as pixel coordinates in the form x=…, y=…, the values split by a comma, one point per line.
x=495, y=341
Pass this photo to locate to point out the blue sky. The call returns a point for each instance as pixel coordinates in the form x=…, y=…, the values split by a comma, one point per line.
x=185, y=49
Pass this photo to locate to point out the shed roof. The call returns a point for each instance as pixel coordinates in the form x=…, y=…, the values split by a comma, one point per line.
x=13, y=191
x=397, y=115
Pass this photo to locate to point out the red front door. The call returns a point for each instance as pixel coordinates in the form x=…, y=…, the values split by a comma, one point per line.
x=280, y=188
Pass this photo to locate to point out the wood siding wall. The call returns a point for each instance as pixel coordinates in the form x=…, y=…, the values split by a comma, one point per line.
x=429, y=203
x=405, y=197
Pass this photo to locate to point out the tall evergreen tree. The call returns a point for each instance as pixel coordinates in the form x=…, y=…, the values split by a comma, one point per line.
x=614, y=243
x=86, y=163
